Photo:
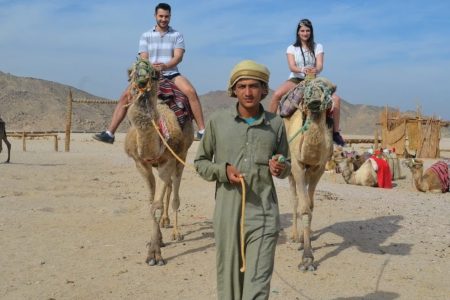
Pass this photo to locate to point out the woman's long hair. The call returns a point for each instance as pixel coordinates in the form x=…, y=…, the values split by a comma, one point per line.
x=309, y=43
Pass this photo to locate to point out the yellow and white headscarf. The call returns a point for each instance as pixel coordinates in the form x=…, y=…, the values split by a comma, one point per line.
x=248, y=69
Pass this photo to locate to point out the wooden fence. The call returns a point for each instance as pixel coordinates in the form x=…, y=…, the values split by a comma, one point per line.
x=34, y=134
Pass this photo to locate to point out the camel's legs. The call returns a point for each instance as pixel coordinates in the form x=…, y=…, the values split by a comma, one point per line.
x=294, y=201
x=147, y=173
x=164, y=173
x=8, y=144
x=156, y=241
x=314, y=174
x=165, y=220
x=154, y=250
x=306, y=216
x=156, y=208
x=176, y=233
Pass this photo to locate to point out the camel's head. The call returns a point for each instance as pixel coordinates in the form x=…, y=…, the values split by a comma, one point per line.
x=345, y=165
x=413, y=163
x=336, y=157
x=317, y=95
x=143, y=77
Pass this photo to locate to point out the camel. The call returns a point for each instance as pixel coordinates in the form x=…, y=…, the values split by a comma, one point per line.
x=365, y=175
x=144, y=145
x=3, y=137
x=362, y=170
x=428, y=181
x=339, y=154
x=311, y=146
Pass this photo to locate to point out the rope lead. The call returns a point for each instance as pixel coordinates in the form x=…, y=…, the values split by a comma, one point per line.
x=242, y=269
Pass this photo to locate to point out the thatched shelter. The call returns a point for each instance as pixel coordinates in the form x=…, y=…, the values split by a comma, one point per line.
x=411, y=135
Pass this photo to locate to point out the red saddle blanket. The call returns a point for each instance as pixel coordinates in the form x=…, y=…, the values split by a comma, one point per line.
x=383, y=173
x=169, y=93
x=441, y=170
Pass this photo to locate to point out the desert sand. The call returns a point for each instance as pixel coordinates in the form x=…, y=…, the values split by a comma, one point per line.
x=74, y=225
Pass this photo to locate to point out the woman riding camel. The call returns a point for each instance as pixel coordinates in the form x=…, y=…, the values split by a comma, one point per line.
x=306, y=57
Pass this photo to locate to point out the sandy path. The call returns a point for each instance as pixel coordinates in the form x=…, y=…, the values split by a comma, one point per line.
x=75, y=226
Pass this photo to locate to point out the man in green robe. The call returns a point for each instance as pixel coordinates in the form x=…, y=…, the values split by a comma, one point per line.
x=250, y=143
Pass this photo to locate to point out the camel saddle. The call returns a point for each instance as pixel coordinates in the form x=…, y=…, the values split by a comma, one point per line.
x=441, y=168
x=291, y=100
x=171, y=95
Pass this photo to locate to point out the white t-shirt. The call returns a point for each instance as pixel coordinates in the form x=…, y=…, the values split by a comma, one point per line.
x=309, y=58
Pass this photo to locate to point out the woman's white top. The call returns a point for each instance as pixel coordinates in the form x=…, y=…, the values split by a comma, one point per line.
x=310, y=60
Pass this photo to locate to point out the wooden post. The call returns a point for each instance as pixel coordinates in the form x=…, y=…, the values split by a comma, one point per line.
x=24, y=146
x=375, y=144
x=68, y=121
x=56, y=142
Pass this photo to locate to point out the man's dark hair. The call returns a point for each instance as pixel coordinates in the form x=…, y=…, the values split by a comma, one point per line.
x=163, y=6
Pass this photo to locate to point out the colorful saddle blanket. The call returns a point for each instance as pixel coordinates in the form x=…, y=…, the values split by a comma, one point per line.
x=178, y=102
x=384, y=174
x=441, y=170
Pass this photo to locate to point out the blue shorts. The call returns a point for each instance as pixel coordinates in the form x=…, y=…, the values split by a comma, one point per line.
x=172, y=76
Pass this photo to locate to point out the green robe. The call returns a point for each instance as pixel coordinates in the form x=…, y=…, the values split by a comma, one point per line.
x=229, y=139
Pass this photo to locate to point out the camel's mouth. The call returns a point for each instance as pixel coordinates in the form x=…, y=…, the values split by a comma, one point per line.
x=317, y=95
x=142, y=73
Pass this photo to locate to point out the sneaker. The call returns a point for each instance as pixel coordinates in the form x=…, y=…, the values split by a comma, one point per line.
x=338, y=140
x=198, y=136
x=104, y=137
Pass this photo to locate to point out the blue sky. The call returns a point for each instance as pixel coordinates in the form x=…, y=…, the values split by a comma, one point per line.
x=380, y=53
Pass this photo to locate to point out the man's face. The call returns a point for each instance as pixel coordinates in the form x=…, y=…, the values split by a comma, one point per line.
x=249, y=92
x=162, y=18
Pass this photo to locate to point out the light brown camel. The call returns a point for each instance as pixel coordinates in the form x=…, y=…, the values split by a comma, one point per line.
x=144, y=145
x=311, y=146
x=424, y=182
x=361, y=170
x=4, y=138
x=365, y=175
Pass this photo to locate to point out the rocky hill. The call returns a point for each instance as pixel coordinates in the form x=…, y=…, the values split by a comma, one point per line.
x=38, y=105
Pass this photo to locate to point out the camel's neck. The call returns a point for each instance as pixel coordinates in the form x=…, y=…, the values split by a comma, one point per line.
x=142, y=115
x=420, y=184
x=317, y=119
x=348, y=174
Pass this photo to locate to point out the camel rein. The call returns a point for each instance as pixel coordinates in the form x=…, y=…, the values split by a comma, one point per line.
x=301, y=130
x=241, y=178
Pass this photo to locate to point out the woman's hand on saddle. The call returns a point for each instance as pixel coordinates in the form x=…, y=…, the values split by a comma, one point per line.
x=234, y=176
x=310, y=70
x=277, y=165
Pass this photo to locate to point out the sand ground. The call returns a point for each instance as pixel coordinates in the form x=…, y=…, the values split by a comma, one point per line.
x=74, y=225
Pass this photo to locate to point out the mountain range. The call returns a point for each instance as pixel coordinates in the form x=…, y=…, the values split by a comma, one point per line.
x=30, y=104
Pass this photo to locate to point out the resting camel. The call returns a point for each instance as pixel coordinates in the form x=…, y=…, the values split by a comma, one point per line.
x=430, y=180
x=145, y=146
x=365, y=175
x=4, y=138
x=339, y=154
x=311, y=146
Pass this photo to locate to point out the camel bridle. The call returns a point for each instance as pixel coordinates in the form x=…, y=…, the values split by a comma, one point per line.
x=316, y=99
